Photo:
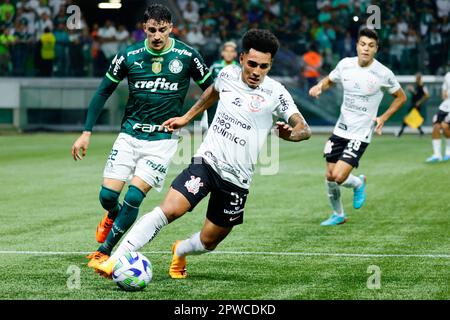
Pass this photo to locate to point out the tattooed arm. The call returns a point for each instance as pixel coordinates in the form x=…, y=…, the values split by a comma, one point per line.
x=296, y=130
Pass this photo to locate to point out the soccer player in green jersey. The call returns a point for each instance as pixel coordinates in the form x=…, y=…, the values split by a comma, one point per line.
x=158, y=71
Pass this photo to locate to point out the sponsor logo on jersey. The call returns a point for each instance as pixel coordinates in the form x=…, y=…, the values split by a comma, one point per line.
x=283, y=102
x=135, y=51
x=156, y=67
x=149, y=128
x=225, y=119
x=175, y=66
x=266, y=91
x=183, y=52
x=117, y=63
x=193, y=185
x=226, y=75
x=159, y=83
x=199, y=66
x=222, y=129
x=229, y=135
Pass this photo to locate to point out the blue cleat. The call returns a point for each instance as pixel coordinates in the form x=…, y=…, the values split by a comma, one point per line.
x=433, y=159
x=334, y=220
x=446, y=157
x=359, y=194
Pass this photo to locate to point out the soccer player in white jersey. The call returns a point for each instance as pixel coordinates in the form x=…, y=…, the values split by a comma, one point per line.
x=224, y=163
x=441, y=122
x=363, y=79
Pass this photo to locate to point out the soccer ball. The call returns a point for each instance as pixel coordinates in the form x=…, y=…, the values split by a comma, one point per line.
x=132, y=272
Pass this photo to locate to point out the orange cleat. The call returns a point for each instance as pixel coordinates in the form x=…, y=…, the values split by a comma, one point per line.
x=103, y=228
x=177, y=268
x=96, y=258
x=105, y=268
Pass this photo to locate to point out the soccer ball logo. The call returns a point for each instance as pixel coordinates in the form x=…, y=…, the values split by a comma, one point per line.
x=132, y=272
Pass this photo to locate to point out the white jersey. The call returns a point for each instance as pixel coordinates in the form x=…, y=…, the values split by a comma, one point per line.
x=242, y=122
x=363, y=92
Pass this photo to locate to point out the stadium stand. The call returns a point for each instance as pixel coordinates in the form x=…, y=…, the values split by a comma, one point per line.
x=418, y=37
x=414, y=37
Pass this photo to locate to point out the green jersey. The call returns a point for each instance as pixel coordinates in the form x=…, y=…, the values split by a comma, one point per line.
x=157, y=84
x=219, y=65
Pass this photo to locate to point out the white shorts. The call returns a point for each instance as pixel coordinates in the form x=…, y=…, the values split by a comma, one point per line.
x=149, y=160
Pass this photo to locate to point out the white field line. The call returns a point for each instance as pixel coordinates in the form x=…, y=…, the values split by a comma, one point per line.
x=270, y=253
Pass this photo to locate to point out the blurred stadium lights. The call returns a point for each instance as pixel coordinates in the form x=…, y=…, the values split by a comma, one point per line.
x=112, y=4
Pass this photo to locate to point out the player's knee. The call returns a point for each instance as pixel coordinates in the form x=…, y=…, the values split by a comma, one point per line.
x=339, y=178
x=171, y=211
x=134, y=196
x=329, y=176
x=108, y=198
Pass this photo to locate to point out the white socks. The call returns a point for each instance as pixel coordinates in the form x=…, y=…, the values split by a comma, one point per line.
x=352, y=182
x=334, y=195
x=447, y=148
x=193, y=245
x=145, y=229
x=437, y=148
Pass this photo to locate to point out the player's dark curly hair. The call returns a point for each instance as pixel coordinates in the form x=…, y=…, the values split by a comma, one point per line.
x=260, y=40
x=158, y=12
x=369, y=33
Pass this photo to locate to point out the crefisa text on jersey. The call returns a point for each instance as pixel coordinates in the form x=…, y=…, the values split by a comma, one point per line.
x=226, y=309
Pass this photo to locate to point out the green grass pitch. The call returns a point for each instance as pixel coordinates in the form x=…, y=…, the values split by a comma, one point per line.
x=49, y=209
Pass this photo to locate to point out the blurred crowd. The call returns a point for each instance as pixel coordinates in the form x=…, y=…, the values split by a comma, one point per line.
x=414, y=35
x=35, y=41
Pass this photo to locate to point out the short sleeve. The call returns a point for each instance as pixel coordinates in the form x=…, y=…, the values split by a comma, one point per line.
x=118, y=68
x=199, y=71
x=390, y=82
x=335, y=74
x=286, y=106
x=445, y=84
x=218, y=82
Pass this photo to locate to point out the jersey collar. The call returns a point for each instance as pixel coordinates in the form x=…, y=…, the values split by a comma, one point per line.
x=162, y=52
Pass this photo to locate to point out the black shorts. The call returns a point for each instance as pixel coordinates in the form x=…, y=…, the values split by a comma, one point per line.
x=441, y=116
x=349, y=151
x=227, y=201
